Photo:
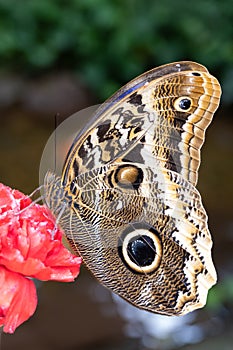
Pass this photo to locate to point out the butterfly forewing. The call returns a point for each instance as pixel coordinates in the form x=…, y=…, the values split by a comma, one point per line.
x=151, y=103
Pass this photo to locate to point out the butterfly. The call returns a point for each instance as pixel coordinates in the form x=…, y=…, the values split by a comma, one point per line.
x=127, y=200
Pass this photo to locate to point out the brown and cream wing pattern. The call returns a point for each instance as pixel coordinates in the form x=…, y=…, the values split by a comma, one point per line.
x=163, y=113
x=127, y=200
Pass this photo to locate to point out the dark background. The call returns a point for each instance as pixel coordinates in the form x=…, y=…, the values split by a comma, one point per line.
x=57, y=57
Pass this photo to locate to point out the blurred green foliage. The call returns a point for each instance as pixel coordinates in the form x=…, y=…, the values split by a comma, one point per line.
x=221, y=294
x=110, y=42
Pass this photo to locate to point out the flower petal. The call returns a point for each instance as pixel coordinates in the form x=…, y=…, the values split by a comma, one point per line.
x=18, y=299
x=30, y=246
x=31, y=242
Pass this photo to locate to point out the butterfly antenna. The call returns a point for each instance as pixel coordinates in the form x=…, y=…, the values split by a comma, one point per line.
x=35, y=191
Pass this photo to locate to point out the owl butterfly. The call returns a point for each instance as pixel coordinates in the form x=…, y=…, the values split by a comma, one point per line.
x=127, y=200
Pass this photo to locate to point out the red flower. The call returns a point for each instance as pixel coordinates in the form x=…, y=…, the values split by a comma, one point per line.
x=30, y=247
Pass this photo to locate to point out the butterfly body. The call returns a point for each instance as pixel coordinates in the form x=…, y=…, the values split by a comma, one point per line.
x=130, y=206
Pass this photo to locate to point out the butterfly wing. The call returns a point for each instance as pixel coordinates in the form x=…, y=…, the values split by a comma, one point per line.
x=130, y=207
x=163, y=113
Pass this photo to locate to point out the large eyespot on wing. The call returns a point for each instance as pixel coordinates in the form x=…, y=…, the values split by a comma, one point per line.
x=140, y=249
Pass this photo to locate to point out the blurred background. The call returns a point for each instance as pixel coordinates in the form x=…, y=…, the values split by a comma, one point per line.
x=57, y=57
